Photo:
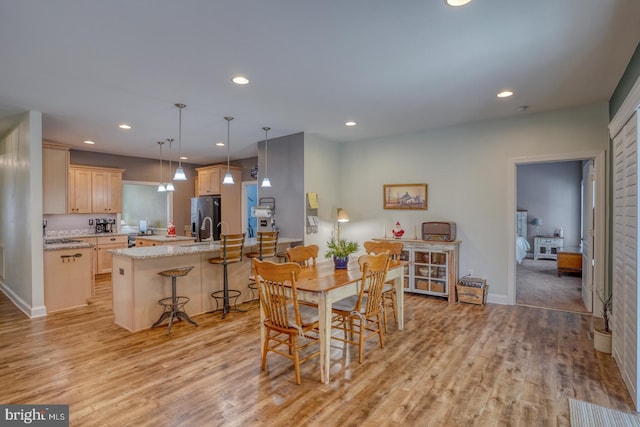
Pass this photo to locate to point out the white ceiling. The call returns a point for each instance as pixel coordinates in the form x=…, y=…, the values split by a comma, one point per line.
x=394, y=67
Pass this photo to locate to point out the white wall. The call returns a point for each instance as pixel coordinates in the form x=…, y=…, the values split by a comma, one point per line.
x=21, y=257
x=466, y=168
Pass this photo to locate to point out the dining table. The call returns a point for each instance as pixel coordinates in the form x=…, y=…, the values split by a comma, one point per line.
x=323, y=284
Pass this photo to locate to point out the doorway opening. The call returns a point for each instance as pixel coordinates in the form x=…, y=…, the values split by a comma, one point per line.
x=545, y=192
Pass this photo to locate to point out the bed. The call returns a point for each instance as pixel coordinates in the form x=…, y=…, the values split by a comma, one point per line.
x=522, y=247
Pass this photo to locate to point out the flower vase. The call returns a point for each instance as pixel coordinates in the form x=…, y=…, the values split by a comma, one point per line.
x=341, y=262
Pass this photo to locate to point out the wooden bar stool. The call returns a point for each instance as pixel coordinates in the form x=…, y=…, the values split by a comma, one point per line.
x=230, y=252
x=174, y=306
x=267, y=244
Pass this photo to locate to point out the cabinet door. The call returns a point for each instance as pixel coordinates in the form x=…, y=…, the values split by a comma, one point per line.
x=55, y=163
x=105, y=244
x=115, y=192
x=209, y=182
x=80, y=190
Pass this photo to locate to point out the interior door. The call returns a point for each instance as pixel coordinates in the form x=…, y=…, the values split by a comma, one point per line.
x=588, y=208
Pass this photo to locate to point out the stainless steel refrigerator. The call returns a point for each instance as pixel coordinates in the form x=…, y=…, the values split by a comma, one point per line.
x=205, y=207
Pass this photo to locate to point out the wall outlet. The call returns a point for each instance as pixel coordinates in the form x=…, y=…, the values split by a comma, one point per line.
x=90, y=222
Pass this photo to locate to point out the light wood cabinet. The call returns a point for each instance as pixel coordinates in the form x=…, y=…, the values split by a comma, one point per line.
x=67, y=278
x=209, y=181
x=94, y=190
x=231, y=194
x=55, y=163
x=106, y=191
x=102, y=259
x=79, y=197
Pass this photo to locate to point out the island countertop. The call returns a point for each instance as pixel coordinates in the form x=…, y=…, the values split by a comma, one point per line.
x=250, y=245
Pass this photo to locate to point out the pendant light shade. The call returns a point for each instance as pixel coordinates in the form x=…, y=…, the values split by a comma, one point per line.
x=266, y=182
x=228, y=178
x=180, y=175
x=170, y=186
x=161, y=187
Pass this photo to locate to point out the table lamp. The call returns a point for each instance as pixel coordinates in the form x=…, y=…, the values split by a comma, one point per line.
x=537, y=222
x=342, y=217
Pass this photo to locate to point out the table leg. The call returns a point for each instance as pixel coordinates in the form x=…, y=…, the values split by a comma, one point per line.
x=399, y=285
x=324, y=316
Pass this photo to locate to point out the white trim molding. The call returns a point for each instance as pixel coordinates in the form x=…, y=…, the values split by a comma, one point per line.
x=630, y=104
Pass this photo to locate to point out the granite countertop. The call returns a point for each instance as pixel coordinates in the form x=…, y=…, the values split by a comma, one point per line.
x=144, y=252
x=164, y=238
x=60, y=244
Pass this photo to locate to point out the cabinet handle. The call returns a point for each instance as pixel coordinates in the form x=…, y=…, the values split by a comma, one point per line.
x=112, y=239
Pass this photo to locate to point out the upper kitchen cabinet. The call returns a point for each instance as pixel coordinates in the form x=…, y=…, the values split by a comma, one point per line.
x=210, y=183
x=107, y=190
x=55, y=162
x=209, y=180
x=95, y=190
x=79, y=196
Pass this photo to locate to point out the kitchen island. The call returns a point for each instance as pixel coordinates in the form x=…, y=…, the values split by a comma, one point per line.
x=137, y=286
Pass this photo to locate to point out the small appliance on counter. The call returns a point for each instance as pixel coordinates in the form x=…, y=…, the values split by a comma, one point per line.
x=104, y=225
x=444, y=231
x=264, y=212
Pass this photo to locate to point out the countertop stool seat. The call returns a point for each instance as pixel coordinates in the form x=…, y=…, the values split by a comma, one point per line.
x=174, y=305
x=231, y=246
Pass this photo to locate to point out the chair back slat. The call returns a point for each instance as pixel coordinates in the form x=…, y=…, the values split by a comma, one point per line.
x=267, y=244
x=303, y=255
x=231, y=246
x=277, y=290
x=374, y=271
x=394, y=248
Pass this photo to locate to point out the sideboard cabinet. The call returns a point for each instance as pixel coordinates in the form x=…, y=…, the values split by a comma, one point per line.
x=432, y=267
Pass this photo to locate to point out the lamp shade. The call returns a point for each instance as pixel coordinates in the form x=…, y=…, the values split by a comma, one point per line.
x=536, y=221
x=342, y=215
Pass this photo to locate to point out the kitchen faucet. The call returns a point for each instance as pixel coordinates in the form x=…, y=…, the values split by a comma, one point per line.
x=204, y=221
x=223, y=222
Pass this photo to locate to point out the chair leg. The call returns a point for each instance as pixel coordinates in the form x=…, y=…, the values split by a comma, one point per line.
x=384, y=315
x=394, y=305
x=296, y=358
x=361, y=341
x=265, y=347
x=380, y=331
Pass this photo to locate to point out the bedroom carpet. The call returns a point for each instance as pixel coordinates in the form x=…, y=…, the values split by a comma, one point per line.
x=584, y=414
x=538, y=285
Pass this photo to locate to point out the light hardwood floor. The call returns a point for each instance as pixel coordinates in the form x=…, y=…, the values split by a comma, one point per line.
x=453, y=365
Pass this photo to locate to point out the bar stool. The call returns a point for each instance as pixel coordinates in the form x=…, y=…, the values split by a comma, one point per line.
x=174, y=306
x=267, y=244
x=230, y=252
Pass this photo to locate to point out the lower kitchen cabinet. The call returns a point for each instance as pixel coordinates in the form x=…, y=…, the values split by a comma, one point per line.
x=102, y=244
x=68, y=278
x=432, y=268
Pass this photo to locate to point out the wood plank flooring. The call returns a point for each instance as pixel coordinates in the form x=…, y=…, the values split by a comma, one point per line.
x=453, y=365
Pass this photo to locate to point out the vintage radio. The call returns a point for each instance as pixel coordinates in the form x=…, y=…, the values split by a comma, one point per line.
x=439, y=231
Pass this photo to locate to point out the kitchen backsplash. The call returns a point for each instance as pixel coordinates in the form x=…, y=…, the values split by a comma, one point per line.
x=61, y=223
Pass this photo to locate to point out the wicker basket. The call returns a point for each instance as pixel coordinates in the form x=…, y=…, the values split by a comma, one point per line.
x=472, y=290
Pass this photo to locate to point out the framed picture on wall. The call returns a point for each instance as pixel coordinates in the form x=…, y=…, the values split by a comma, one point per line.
x=405, y=196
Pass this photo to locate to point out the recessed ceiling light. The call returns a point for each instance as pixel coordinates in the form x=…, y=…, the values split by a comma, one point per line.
x=504, y=94
x=350, y=124
x=456, y=3
x=220, y=144
x=240, y=80
x=124, y=126
x=89, y=142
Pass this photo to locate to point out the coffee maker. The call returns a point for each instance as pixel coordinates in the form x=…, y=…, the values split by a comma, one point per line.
x=108, y=227
x=101, y=225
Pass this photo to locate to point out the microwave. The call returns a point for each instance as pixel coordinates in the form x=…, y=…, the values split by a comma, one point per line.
x=444, y=231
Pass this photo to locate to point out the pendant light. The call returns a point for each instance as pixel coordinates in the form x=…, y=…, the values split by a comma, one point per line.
x=170, y=186
x=161, y=187
x=180, y=175
x=228, y=179
x=265, y=181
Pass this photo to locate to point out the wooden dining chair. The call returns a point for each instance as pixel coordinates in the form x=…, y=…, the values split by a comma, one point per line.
x=388, y=291
x=267, y=244
x=361, y=314
x=303, y=255
x=287, y=323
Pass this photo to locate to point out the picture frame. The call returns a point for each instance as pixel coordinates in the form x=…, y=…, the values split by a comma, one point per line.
x=405, y=196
